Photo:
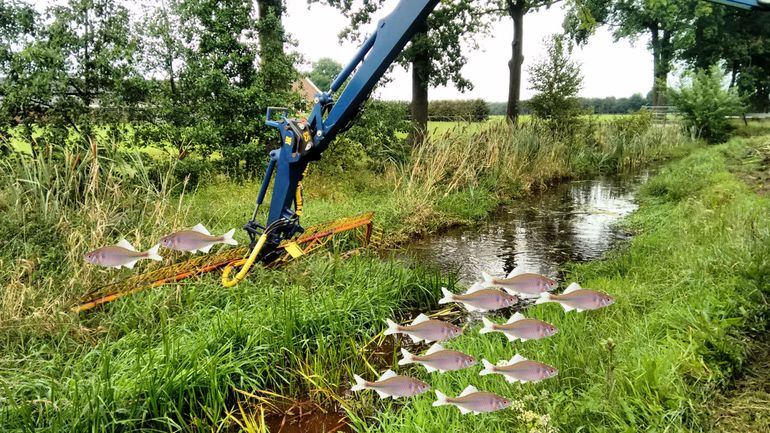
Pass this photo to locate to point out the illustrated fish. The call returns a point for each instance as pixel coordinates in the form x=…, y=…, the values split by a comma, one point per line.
x=471, y=400
x=478, y=299
x=196, y=239
x=438, y=359
x=520, y=369
x=123, y=254
x=578, y=298
x=424, y=328
x=522, y=283
x=392, y=385
x=519, y=327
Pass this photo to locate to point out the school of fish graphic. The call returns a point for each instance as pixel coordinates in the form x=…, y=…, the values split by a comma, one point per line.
x=487, y=295
x=483, y=297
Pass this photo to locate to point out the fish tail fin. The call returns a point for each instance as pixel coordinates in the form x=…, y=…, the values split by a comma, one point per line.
x=392, y=327
x=360, y=383
x=544, y=297
x=228, y=238
x=407, y=358
x=152, y=253
x=441, y=399
x=448, y=296
x=488, y=326
x=489, y=368
x=487, y=278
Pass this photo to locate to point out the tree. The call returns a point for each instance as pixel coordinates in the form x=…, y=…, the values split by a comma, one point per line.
x=276, y=66
x=324, y=71
x=517, y=10
x=705, y=103
x=18, y=23
x=435, y=54
x=557, y=79
x=79, y=64
x=662, y=20
x=737, y=40
x=210, y=95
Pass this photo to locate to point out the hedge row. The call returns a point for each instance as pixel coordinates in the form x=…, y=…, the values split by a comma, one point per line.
x=475, y=110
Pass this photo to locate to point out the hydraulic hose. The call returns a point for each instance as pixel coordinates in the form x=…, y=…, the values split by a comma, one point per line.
x=245, y=263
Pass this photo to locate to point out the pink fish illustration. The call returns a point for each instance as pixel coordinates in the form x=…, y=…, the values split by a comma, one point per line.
x=438, y=359
x=520, y=369
x=578, y=299
x=520, y=283
x=424, y=328
x=121, y=255
x=196, y=239
x=471, y=400
x=481, y=300
x=519, y=327
x=392, y=385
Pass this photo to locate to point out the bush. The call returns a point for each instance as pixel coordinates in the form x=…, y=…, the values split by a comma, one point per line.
x=704, y=103
x=380, y=129
x=557, y=79
x=475, y=110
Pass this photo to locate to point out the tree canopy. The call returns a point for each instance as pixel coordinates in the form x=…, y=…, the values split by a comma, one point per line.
x=324, y=71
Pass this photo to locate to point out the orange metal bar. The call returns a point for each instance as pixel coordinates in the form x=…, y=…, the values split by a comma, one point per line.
x=310, y=239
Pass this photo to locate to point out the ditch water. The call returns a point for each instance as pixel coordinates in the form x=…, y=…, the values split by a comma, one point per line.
x=571, y=222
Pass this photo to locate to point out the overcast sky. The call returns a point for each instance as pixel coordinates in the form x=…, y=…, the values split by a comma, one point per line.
x=610, y=68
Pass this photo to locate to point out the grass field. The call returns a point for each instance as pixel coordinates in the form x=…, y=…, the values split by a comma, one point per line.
x=177, y=358
x=691, y=288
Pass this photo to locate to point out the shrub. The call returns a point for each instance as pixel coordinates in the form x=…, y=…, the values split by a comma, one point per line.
x=381, y=130
x=704, y=103
x=557, y=79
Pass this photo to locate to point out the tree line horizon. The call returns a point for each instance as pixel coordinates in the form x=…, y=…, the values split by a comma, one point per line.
x=200, y=73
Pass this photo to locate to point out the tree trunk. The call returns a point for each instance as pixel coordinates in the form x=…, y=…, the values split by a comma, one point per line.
x=271, y=37
x=516, y=12
x=733, y=74
x=662, y=57
x=420, y=78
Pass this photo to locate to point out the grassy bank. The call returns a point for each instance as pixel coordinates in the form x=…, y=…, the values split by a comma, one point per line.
x=691, y=288
x=173, y=358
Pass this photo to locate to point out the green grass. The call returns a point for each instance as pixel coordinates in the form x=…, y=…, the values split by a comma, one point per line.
x=691, y=288
x=171, y=358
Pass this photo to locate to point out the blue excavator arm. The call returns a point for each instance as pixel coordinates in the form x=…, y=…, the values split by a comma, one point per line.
x=303, y=141
x=745, y=4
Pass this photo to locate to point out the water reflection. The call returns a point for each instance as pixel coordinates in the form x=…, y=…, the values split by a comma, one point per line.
x=571, y=222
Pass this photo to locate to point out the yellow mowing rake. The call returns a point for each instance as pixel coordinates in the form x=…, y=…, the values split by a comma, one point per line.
x=312, y=239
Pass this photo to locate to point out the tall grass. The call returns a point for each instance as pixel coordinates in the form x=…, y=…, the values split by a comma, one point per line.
x=530, y=155
x=466, y=172
x=174, y=358
x=690, y=288
x=60, y=205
